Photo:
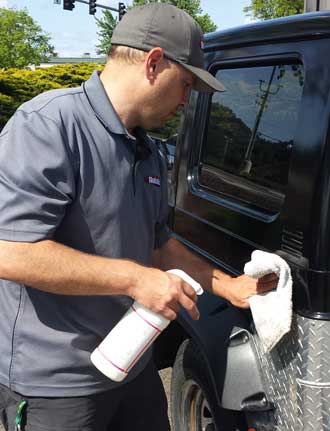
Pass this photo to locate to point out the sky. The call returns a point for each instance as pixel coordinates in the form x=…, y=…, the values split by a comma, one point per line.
x=74, y=33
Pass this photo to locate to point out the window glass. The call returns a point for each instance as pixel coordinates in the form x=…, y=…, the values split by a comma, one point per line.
x=169, y=129
x=250, y=133
x=166, y=137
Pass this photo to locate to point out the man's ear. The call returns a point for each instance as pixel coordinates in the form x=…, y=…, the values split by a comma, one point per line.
x=152, y=63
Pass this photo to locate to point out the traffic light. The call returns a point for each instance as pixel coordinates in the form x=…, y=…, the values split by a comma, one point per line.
x=92, y=7
x=68, y=4
x=121, y=10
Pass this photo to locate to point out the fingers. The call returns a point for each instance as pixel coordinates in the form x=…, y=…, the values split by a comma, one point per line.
x=169, y=314
x=269, y=278
x=267, y=283
x=243, y=287
x=183, y=294
x=165, y=293
x=244, y=304
x=181, y=285
x=189, y=305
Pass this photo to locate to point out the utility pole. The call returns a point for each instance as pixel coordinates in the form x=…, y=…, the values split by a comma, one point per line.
x=265, y=93
x=316, y=5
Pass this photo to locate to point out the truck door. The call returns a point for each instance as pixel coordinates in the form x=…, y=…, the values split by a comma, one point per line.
x=235, y=156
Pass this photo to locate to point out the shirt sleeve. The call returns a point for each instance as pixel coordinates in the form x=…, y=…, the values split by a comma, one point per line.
x=37, y=180
x=162, y=232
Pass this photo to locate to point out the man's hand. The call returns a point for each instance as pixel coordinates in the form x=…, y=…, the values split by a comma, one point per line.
x=164, y=293
x=238, y=290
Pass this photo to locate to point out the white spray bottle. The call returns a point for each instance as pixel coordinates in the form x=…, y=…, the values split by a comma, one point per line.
x=132, y=336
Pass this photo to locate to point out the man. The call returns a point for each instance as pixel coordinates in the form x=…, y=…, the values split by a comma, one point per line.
x=83, y=233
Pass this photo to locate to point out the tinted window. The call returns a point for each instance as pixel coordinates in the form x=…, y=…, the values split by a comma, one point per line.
x=166, y=137
x=250, y=133
x=169, y=129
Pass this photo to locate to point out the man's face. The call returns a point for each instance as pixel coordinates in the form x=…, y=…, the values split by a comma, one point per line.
x=167, y=94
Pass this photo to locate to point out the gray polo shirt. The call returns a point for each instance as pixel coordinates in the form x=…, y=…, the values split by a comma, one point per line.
x=69, y=171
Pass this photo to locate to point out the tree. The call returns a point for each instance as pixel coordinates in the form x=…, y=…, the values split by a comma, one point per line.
x=107, y=23
x=268, y=9
x=19, y=85
x=193, y=7
x=22, y=40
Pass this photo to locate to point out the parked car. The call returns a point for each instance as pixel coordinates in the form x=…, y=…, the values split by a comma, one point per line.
x=251, y=171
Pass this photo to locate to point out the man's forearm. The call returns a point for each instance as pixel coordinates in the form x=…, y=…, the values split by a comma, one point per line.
x=237, y=290
x=53, y=267
x=175, y=255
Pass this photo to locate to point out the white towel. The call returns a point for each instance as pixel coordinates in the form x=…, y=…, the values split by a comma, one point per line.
x=271, y=311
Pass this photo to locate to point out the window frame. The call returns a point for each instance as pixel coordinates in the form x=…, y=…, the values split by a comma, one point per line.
x=226, y=199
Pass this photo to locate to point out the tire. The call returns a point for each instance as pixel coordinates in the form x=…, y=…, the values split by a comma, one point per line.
x=193, y=402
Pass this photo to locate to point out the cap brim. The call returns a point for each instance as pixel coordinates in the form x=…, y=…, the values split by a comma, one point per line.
x=206, y=82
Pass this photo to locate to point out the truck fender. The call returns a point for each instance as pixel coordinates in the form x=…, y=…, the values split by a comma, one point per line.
x=223, y=336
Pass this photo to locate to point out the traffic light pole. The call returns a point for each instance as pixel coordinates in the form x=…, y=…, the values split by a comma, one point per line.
x=98, y=5
x=93, y=5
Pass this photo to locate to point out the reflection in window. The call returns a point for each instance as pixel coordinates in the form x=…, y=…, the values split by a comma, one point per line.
x=169, y=129
x=251, y=130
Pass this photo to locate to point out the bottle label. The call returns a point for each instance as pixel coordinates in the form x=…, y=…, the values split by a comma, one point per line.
x=128, y=340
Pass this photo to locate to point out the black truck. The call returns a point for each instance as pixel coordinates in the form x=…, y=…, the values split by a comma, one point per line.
x=251, y=171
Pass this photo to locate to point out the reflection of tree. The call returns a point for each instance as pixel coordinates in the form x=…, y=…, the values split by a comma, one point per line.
x=297, y=73
x=226, y=144
x=237, y=132
x=242, y=86
x=169, y=129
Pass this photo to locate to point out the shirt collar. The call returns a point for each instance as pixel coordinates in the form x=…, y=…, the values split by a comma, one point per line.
x=105, y=112
x=101, y=104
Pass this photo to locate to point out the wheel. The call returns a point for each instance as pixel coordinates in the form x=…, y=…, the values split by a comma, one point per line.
x=193, y=402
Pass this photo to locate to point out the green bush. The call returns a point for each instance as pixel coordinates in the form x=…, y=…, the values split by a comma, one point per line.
x=19, y=85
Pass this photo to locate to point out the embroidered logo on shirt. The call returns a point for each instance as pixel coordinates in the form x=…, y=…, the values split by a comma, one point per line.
x=152, y=180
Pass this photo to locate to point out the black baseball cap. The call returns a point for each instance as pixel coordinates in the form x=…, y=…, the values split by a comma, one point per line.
x=164, y=25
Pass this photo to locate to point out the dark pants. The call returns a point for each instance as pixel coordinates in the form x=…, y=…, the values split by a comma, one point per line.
x=139, y=405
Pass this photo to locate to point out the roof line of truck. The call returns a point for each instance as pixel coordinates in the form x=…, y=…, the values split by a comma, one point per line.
x=309, y=25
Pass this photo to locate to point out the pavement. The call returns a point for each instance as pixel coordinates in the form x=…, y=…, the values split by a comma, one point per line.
x=166, y=378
